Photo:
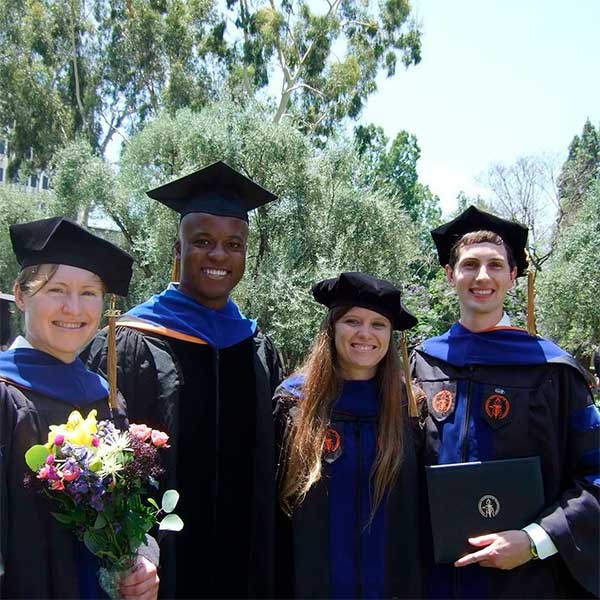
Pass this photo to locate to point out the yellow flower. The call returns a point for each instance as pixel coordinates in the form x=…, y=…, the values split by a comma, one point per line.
x=76, y=430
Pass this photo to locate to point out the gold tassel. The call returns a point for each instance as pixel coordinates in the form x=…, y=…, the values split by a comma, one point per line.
x=531, y=273
x=412, y=403
x=112, y=314
x=176, y=269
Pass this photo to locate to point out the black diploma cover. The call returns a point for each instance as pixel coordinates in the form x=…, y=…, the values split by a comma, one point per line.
x=476, y=498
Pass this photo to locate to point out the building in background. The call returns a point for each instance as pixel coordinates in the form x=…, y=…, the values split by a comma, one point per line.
x=35, y=182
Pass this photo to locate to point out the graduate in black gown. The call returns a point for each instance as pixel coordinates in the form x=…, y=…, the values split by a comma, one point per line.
x=496, y=392
x=191, y=364
x=65, y=272
x=348, y=468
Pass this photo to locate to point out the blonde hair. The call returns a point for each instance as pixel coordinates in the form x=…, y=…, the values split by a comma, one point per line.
x=322, y=386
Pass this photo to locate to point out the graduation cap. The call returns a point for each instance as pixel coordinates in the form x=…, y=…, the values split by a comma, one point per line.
x=366, y=291
x=513, y=234
x=60, y=241
x=217, y=190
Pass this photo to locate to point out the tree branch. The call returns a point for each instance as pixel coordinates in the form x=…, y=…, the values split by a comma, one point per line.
x=75, y=65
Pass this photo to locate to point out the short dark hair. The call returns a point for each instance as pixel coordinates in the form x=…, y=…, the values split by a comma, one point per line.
x=480, y=237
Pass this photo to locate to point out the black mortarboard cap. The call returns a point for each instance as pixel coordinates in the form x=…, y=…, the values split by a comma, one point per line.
x=217, y=189
x=473, y=219
x=60, y=241
x=366, y=291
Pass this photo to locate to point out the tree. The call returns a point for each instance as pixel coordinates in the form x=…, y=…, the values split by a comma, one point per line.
x=17, y=206
x=526, y=192
x=326, y=54
x=580, y=170
x=327, y=218
x=97, y=69
x=392, y=168
x=568, y=290
x=92, y=68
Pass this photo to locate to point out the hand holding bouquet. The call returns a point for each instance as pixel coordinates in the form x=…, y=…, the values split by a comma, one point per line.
x=98, y=475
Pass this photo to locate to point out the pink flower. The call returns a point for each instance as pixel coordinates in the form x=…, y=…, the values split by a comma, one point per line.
x=141, y=432
x=95, y=442
x=48, y=472
x=59, y=439
x=71, y=474
x=57, y=485
x=160, y=439
x=44, y=472
x=50, y=459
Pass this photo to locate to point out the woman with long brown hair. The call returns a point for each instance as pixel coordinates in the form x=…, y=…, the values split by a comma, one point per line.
x=347, y=469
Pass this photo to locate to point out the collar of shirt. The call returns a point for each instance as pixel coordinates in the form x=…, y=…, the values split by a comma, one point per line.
x=504, y=321
x=20, y=342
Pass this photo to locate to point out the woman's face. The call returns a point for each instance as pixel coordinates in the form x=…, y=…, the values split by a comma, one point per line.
x=63, y=316
x=362, y=338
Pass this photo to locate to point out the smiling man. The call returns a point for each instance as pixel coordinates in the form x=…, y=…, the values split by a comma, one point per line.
x=190, y=363
x=495, y=392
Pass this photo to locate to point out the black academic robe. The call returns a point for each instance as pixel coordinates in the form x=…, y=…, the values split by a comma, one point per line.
x=303, y=551
x=216, y=407
x=547, y=412
x=42, y=558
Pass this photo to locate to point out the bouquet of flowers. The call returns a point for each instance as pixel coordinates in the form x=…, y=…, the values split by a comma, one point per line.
x=98, y=475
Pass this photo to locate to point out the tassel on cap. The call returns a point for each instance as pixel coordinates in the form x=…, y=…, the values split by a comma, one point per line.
x=412, y=402
x=176, y=270
x=112, y=314
x=531, y=273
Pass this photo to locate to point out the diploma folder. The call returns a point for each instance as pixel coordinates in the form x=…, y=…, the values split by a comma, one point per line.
x=476, y=498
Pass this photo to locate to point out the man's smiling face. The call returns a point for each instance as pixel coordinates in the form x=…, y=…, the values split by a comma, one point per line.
x=212, y=251
x=482, y=277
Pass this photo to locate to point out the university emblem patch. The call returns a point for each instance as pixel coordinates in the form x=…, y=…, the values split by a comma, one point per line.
x=497, y=407
x=332, y=448
x=442, y=404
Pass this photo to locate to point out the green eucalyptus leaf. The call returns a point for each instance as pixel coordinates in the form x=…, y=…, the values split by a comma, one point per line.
x=169, y=500
x=171, y=523
x=36, y=456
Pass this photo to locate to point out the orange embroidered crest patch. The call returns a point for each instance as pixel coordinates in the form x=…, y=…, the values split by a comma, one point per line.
x=497, y=407
x=332, y=448
x=442, y=403
x=332, y=440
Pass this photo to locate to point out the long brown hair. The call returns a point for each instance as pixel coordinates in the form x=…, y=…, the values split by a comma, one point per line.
x=322, y=386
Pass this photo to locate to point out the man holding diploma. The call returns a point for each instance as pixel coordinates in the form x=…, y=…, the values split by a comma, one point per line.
x=497, y=392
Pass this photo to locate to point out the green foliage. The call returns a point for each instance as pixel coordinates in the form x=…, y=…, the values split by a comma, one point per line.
x=580, y=170
x=393, y=170
x=328, y=54
x=36, y=456
x=17, y=206
x=328, y=219
x=568, y=290
x=91, y=67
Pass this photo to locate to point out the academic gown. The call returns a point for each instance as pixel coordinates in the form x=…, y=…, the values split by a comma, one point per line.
x=42, y=558
x=215, y=404
x=503, y=394
x=330, y=548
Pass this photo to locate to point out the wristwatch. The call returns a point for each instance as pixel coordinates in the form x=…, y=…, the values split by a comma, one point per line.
x=532, y=547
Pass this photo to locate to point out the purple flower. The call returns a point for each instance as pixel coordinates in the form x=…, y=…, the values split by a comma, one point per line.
x=96, y=503
x=80, y=486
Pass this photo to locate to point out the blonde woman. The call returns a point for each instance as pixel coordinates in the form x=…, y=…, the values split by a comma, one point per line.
x=65, y=271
